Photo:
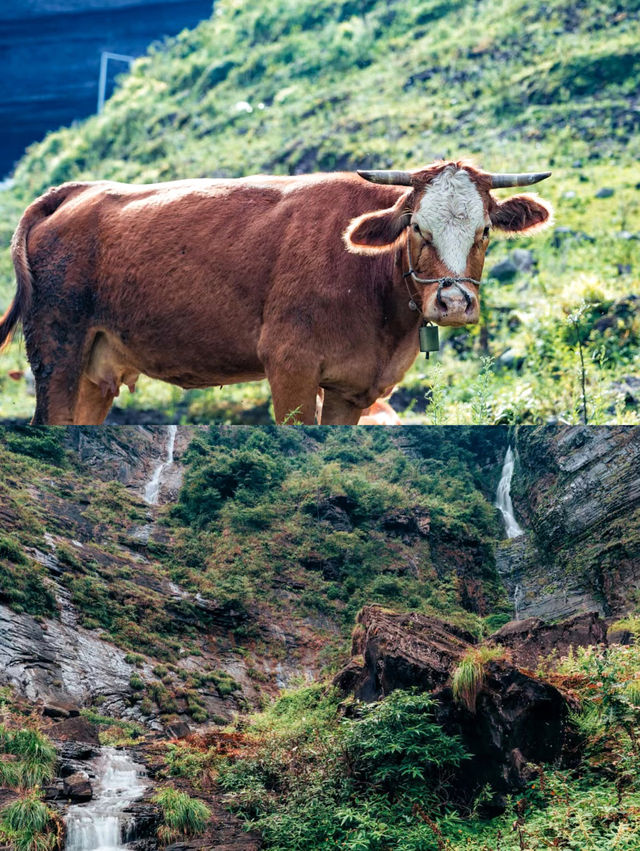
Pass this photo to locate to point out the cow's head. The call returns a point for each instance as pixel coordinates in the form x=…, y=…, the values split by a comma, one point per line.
x=447, y=215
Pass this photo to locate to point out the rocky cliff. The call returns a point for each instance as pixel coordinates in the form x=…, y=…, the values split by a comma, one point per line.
x=577, y=493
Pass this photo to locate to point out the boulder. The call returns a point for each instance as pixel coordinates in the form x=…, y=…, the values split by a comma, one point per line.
x=74, y=730
x=60, y=710
x=400, y=651
x=518, y=721
x=523, y=259
x=77, y=787
x=605, y=192
x=532, y=639
x=178, y=730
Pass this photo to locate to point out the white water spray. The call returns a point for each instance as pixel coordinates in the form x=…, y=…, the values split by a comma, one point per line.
x=152, y=489
x=99, y=824
x=518, y=597
x=503, y=497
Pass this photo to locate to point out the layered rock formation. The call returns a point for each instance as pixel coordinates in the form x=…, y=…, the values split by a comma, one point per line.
x=577, y=490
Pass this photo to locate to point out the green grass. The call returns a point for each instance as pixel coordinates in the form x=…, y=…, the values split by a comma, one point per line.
x=30, y=758
x=468, y=677
x=28, y=824
x=344, y=84
x=181, y=815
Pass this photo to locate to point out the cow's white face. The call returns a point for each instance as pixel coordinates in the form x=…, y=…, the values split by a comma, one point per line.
x=449, y=216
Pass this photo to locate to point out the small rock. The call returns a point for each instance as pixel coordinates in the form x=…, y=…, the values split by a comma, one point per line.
x=576, y=164
x=77, y=787
x=624, y=268
x=60, y=710
x=72, y=751
x=625, y=234
x=569, y=195
x=523, y=259
x=505, y=270
x=605, y=192
x=178, y=730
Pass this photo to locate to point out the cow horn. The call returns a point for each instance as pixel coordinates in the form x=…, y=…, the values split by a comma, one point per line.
x=500, y=181
x=397, y=178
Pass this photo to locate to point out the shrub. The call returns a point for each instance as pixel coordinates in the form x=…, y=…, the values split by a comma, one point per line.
x=398, y=746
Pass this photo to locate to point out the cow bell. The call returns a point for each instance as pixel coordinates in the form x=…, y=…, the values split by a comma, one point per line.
x=429, y=339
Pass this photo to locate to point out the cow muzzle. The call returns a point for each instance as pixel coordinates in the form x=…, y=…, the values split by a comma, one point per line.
x=452, y=303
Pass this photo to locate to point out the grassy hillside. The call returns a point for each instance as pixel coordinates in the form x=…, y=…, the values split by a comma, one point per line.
x=296, y=86
x=273, y=533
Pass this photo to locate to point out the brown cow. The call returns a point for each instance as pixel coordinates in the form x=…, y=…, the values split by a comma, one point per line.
x=317, y=281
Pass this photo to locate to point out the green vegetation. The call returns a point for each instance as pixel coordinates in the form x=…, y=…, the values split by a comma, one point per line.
x=22, y=582
x=378, y=781
x=181, y=815
x=468, y=676
x=299, y=85
x=28, y=824
x=29, y=758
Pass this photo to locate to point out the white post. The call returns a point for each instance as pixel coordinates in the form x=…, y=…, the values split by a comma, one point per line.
x=105, y=56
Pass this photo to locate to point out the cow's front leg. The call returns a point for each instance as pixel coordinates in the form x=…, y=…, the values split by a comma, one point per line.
x=294, y=395
x=338, y=411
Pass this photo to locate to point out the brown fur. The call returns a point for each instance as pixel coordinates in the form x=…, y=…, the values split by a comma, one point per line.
x=208, y=282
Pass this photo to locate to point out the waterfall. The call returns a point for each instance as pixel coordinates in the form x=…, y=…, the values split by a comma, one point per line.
x=518, y=597
x=503, y=497
x=152, y=489
x=99, y=824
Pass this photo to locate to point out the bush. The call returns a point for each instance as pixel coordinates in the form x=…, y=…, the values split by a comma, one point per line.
x=468, y=677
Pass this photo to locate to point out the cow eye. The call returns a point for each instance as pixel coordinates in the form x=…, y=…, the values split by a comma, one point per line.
x=485, y=234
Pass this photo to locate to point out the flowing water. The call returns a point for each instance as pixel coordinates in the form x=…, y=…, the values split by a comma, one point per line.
x=503, y=497
x=99, y=825
x=152, y=489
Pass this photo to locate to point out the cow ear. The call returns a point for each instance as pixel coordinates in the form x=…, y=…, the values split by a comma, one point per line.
x=374, y=233
x=521, y=214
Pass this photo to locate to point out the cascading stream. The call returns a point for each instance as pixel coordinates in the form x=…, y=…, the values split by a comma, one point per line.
x=152, y=489
x=99, y=824
x=503, y=497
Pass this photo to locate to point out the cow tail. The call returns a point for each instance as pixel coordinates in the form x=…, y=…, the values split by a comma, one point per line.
x=40, y=209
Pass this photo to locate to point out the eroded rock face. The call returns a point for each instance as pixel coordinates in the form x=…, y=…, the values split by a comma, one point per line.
x=532, y=639
x=518, y=720
x=55, y=663
x=578, y=490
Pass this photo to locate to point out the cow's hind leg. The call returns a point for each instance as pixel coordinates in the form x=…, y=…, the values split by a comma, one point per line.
x=338, y=411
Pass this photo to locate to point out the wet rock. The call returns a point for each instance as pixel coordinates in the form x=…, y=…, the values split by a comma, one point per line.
x=75, y=730
x=505, y=270
x=61, y=663
x=532, y=639
x=71, y=751
x=605, y=192
x=77, y=787
x=519, y=722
